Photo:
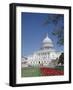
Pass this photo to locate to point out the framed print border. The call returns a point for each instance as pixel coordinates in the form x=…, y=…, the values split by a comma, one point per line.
x=13, y=31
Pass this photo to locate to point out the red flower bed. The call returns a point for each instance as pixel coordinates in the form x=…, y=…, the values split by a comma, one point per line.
x=51, y=72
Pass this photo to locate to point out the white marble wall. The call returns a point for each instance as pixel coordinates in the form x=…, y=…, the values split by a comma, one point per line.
x=42, y=59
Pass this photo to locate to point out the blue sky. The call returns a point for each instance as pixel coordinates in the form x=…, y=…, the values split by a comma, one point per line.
x=33, y=32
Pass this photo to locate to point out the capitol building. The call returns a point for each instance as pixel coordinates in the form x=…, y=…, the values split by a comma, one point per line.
x=46, y=56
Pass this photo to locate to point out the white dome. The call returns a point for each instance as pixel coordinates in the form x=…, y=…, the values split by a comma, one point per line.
x=47, y=42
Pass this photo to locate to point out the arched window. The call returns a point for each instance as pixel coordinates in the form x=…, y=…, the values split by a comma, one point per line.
x=39, y=62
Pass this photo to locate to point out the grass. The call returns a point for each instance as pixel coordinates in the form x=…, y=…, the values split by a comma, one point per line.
x=60, y=68
x=30, y=72
x=36, y=71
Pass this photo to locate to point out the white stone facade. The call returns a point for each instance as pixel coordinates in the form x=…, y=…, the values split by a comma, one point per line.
x=43, y=57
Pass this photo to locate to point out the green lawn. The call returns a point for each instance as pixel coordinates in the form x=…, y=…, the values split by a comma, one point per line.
x=30, y=72
x=35, y=71
x=60, y=67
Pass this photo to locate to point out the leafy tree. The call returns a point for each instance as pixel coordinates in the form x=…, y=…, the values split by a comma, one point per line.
x=58, y=21
x=61, y=59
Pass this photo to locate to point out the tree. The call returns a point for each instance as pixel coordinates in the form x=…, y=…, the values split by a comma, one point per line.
x=58, y=21
x=61, y=59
